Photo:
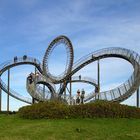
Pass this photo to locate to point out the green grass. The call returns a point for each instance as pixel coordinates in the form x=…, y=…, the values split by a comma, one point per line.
x=14, y=128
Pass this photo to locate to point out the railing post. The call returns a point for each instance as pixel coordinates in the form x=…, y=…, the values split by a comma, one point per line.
x=111, y=95
x=8, y=90
x=137, y=97
x=125, y=87
x=119, y=92
x=105, y=95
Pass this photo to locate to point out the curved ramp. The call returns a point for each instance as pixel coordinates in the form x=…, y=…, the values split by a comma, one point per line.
x=126, y=89
x=19, y=61
x=36, y=91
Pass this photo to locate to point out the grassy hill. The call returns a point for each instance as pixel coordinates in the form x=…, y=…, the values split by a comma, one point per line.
x=14, y=128
x=59, y=110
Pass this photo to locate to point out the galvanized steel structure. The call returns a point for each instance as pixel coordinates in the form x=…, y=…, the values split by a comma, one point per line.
x=42, y=75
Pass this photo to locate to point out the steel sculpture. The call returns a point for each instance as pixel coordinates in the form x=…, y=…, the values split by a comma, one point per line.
x=42, y=75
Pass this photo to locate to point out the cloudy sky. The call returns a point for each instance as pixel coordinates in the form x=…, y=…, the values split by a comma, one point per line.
x=27, y=27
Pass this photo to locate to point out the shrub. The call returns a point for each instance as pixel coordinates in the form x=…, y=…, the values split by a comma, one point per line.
x=53, y=109
x=59, y=110
x=8, y=112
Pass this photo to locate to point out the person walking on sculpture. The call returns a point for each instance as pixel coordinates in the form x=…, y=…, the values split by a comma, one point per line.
x=78, y=97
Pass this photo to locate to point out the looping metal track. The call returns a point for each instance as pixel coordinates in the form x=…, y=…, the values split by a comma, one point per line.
x=70, y=55
x=119, y=94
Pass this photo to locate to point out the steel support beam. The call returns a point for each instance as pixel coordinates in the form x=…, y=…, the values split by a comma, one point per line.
x=70, y=91
x=8, y=90
x=65, y=90
x=0, y=98
x=44, y=91
x=33, y=99
x=137, y=97
x=98, y=70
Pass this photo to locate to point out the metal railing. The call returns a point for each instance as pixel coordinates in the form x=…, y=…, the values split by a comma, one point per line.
x=126, y=89
x=7, y=65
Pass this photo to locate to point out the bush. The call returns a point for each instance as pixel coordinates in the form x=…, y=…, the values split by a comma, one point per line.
x=59, y=110
x=53, y=109
x=8, y=112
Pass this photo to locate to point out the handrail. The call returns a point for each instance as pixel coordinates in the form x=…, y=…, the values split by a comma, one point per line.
x=9, y=64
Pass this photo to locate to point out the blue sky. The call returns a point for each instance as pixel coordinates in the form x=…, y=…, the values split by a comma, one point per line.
x=27, y=27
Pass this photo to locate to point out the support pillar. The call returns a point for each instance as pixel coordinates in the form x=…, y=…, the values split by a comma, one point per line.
x=35, y=71
x=8, y=90
x=65, y=90
x=33, y=99
x=0, y=98
x=98, y=69
x=137, y=97
x=70, y=91
x=43, y=91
